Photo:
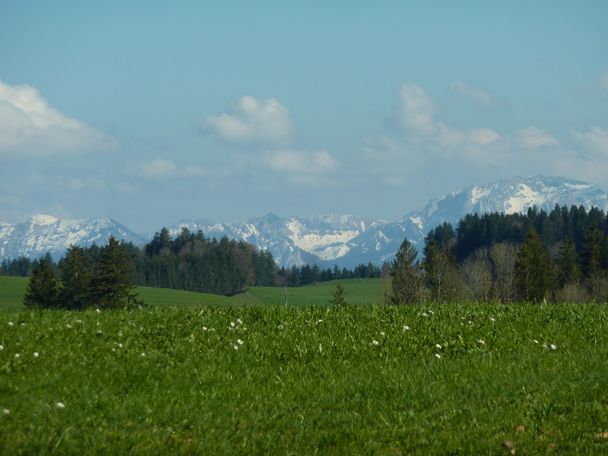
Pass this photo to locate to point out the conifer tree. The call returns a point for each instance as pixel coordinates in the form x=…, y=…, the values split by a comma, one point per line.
x=533, y=269
x=114, y=277
x=339, y=296
x=406, y=274
x=43, y=288
x=77, y=278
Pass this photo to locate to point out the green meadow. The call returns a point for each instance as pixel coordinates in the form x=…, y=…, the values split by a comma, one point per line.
x=198, y=374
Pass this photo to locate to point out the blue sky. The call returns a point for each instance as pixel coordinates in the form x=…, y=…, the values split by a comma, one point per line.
x=150, y=113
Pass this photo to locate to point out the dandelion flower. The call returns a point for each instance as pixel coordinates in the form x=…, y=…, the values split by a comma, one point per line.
x=36, y=354
x=6, y=412
x=375, y=342
x=60, y=405
x=437, y=355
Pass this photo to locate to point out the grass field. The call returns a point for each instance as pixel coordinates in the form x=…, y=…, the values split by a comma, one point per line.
x=451, y=379
x=358, y=291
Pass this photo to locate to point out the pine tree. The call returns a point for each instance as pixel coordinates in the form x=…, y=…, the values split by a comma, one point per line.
x=339, y=296
x=43, y=288
x=406, y=274
x=568, y=269
x=77, y=278
x=533, y=269
x=113, y=280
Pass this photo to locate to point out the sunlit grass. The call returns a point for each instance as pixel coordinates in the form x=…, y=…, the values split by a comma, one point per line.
x=273, y=379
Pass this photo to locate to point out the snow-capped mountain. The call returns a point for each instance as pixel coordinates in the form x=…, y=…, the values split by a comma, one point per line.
x=344, y=240
x=45, y=233
x=292, y=240
x=507, y=196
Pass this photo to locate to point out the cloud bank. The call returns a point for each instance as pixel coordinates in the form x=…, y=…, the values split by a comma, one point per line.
x=29, y=126
x=253, y=120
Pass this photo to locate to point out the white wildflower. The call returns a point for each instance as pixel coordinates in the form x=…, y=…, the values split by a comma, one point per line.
x=119, y=345
x=239, y=341
x=99, y=332
x=438, y=346
x=69, y=326
x=406, y=328
x=238, y=320
x=424, y=314
x=492, y=319
x=319, y=321
x=143, y=355
x=17, y=355
x=10, y=323
x=281, y=327
x=1, y=347
x=98, y=310
x=6, y=412
x=235, y=346
x=22, y=324
x=431, y=312
x=79, y=321
x=204, y=328
x=481, y=341
x=535, y=341
x=375, y=342
x=60, y=405
x=437, y=355
x=232, y=324
x=36, y=354
x=382, y=333
x=553, y=347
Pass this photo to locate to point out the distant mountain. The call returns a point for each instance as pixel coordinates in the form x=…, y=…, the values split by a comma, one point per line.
x=345, y=240
x=45, y=233
x=506, y=196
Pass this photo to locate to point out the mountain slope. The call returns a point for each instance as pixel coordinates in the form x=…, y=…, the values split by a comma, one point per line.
x=45, y=233
x=344, y=240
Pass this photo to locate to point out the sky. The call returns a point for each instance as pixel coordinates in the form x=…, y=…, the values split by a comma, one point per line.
x=153, y=112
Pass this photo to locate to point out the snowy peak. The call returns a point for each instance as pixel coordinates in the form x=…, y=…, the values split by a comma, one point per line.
x=44, y=233
x=345, y=240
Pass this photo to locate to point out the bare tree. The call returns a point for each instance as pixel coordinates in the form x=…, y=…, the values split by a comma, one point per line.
x=503, y=256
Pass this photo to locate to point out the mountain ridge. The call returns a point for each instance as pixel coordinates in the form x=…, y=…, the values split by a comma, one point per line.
x=345, y=240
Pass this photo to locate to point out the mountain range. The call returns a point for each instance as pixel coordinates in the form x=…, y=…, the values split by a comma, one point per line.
x=345, y=240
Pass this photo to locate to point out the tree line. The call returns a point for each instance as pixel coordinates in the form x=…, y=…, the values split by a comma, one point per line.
x=537, y=256
x=80, y=281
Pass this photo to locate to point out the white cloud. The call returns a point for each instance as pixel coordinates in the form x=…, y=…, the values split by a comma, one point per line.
x=474, y=93
x=300, y=162
x=28, y=125
x=418, y=109
x=253, y=120
x=595, y=138
x=532, y=137
x=603, y=81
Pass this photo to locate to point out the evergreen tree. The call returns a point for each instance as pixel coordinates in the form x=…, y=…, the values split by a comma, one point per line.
x=339, y=296
x=77, y=278
x=43, y=288
x=533, y=269
x=568, y=269
x=406, y=274
x=114, y=277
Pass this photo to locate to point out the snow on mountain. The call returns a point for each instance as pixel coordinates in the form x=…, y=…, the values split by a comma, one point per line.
x=507, y=196
x=45, y=233
x=345, y=240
